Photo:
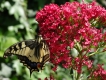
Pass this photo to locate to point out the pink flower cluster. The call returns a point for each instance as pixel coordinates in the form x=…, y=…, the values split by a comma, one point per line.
x=63, y=25
x=99, y=73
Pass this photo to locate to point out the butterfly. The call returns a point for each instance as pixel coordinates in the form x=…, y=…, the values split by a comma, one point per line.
x=33, y=53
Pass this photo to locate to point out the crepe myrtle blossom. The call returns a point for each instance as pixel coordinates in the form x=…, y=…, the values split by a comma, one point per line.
x=72, y=25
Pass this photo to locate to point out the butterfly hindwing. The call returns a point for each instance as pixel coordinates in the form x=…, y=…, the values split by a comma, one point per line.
x=32, y=53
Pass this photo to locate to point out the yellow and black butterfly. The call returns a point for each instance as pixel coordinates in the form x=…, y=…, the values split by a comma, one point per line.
x=32, y=53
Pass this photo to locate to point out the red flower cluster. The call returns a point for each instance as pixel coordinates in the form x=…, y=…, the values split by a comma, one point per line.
x=80, y=62
x=99, y=73
x=52, y=27
x=71, y=22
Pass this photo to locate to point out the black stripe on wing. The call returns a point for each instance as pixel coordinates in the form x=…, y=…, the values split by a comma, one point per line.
x=19, y=46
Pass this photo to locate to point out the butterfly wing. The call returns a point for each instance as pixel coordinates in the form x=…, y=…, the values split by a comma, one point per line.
x=21, y=48
x=32, y=53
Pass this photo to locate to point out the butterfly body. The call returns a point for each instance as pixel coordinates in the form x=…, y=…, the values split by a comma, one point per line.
x=32, y=53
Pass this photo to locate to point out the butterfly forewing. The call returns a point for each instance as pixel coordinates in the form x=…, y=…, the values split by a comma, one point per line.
x=22, y=48
x=31, y=53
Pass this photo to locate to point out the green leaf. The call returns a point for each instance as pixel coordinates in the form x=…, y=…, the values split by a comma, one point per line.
x=74, y=52
x=8, y=42
x=5, y=71
x=18, y=66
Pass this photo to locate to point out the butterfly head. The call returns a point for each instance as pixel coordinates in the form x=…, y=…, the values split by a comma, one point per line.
x=39, y=38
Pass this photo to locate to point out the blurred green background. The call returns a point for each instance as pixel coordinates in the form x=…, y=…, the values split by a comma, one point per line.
x=17, y=23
